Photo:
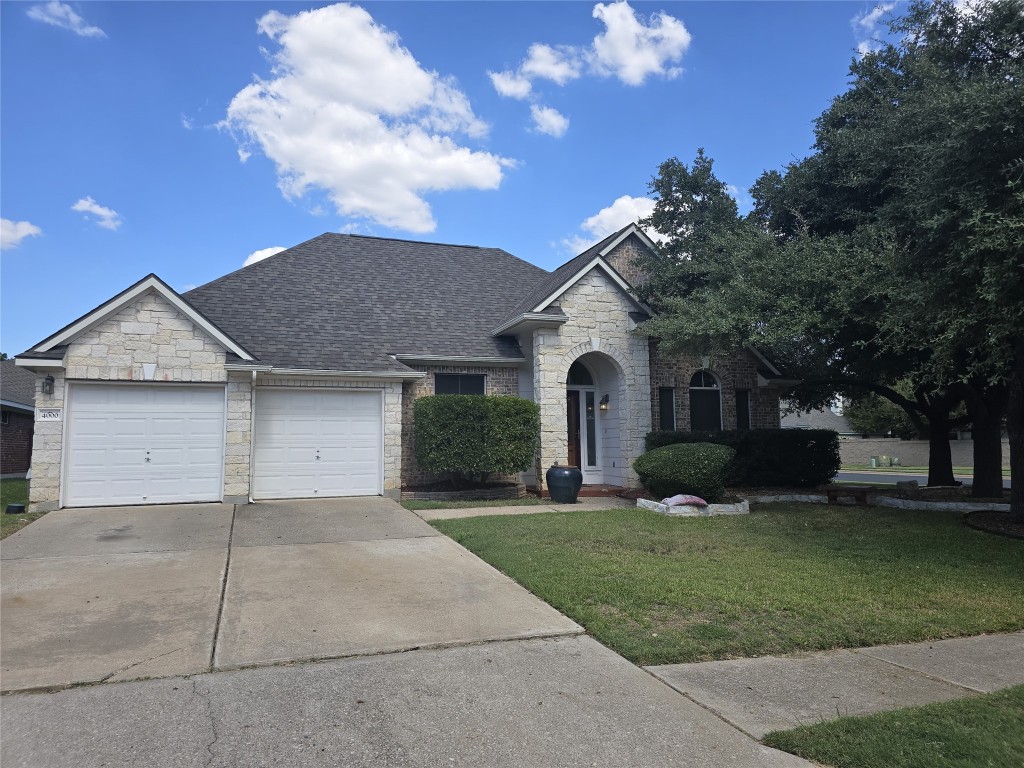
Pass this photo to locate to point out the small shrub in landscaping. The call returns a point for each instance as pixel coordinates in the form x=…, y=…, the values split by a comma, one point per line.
x=698, y=469
x=785, y=457
x=475, y=435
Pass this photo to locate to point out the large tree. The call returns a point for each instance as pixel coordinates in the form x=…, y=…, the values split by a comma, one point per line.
x=928, y=144
x=896, y=249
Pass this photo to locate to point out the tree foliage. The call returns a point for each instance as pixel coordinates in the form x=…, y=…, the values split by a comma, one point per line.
x=895, y=250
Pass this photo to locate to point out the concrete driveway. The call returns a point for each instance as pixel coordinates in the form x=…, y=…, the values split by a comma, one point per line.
x=114, y=594
x=489, y=676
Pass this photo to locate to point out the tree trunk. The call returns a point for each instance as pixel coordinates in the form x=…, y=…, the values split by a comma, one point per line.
x=937, y=407
x=986, y=406
x=1015, y=426
x=940, y=457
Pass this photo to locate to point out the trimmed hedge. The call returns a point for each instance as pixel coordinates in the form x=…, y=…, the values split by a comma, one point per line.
x=784, y=457
x=475, y=434
x=699, y=469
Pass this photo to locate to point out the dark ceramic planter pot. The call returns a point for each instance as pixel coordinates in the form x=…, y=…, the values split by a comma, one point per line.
x=564, y=484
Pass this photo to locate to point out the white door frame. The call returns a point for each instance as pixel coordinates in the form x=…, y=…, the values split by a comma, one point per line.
x=593, y=475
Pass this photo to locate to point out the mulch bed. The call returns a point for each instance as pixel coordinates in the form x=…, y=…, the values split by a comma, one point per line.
x=999, y=523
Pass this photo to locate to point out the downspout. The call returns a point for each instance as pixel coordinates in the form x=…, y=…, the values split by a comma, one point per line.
x=252, y=431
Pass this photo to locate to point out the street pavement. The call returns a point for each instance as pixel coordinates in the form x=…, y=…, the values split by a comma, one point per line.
x=891, y=478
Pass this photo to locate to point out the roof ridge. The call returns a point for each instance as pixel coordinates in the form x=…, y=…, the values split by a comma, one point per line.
x=417, y=242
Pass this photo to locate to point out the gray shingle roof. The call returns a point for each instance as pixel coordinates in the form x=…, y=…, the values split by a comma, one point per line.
x=17, y=385
x=544, y=288
x=345, y=302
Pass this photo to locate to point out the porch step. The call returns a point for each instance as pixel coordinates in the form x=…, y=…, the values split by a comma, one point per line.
x=592, y=491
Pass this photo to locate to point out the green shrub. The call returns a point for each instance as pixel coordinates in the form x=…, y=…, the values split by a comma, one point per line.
x=768, y=457
x=475, y=435
x=695, y=468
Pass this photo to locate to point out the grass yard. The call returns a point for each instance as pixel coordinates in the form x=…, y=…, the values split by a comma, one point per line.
x=528, y=501
x=786, y=578
x=980, y=732
x=14, y=492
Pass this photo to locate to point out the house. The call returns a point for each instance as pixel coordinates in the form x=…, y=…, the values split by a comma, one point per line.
x=295, y=376
x=17, y=408
x=820, y=418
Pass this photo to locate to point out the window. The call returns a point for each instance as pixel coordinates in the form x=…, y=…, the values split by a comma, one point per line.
x=743, y=409
x=458, y=383
x=705, y=402
x=5, y=417
x=580, y=375
x=666, y=408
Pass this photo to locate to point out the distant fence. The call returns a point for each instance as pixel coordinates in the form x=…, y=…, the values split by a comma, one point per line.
x=911, y=453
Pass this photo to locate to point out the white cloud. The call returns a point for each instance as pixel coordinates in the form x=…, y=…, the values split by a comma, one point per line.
x=265, y=253
x=549, y=121
x=867, y=27
x=64, y=16
x=13, y=232
x=510, y=84
x=632, y=50
x=187, y=122
x=744, y=201
x=625, y=210
x=560, y=65
x=351, y=112
x=107, y=218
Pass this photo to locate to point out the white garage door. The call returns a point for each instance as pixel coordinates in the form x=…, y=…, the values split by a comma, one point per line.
x=137, y=444
x=312, y=443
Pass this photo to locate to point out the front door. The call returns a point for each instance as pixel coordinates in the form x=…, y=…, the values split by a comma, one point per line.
x=573, y=411
x=581, y=410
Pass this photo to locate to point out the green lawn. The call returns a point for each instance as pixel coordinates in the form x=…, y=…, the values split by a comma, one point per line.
x=14, y=492
x=786, y=578
x=982, y=732
x=528, y=501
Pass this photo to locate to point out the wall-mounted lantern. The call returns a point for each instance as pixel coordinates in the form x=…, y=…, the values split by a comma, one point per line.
x=48, y=385
x=604, y=403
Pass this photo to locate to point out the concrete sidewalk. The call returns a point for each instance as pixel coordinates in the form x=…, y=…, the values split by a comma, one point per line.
x=583, y=505
x=777, y=693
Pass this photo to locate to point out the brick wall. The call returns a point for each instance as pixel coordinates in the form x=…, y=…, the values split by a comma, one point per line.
x=626, y=258
x=498, y=380
x=737, y=371
x=15, y=443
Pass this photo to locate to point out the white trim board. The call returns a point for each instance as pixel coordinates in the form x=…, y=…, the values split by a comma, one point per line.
x=114, y=305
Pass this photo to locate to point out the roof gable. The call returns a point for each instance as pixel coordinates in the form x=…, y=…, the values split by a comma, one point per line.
x=114, y=305
x=558, y=282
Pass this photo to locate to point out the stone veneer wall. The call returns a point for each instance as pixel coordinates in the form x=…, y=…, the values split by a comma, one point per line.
x=392, y=417
x=738, y=371
x=598, y=322
x=147, y=331
x=498, y=380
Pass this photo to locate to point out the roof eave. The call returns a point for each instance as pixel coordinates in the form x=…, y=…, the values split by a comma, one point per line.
x=528, y=321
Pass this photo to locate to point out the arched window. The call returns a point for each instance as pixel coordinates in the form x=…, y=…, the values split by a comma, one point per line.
x=580, y=376
x=705, y=402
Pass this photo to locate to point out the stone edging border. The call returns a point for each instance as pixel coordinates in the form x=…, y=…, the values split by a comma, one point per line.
x=887, y=501
x=874, y=499
x=686, y=510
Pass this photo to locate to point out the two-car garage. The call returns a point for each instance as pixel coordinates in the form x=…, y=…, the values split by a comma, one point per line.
x=136, y=443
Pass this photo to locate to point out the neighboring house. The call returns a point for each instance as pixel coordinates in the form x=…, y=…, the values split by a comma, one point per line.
x=824, y=418
x=296, y=376
x=17, y=409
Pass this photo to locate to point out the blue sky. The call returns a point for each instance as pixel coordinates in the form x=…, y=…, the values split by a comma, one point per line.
x=182, y=138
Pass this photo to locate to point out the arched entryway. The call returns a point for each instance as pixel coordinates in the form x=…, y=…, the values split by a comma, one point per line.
x=592, y=418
